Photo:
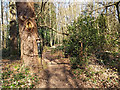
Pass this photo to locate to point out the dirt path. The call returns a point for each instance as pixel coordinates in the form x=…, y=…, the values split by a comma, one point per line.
x=58, y=74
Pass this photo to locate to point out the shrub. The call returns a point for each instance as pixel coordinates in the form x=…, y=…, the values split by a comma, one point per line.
x=84, y=38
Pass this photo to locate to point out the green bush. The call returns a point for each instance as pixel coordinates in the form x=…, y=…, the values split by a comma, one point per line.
x=84, y=37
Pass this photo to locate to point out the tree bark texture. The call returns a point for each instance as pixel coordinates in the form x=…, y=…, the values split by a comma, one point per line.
x=28, y=34
x=13, y=30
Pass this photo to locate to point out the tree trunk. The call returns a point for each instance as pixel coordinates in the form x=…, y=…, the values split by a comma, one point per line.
x=28, y=34
x=13, y=30
x=2, y=45
x=51, y=36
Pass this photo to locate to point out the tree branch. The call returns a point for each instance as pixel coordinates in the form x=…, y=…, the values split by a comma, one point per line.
x=117, y=6
x=43, y=5
x=53, y=29
x=103, y=7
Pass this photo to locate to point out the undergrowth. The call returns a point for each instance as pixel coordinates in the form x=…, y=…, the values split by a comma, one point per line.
x=17, y=76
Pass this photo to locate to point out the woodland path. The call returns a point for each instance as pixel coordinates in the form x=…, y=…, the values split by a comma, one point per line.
x=58, y=74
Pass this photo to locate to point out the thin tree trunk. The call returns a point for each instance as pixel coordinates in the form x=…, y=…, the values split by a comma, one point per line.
x=7, y=30
x=2, y=24
x=51, y=32
x=0, y=36
x=28, y=34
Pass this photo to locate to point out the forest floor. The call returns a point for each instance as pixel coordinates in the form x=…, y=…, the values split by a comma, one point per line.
x=58, y=73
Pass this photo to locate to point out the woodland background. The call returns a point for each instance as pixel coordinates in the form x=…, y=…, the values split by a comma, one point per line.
x=80, y=30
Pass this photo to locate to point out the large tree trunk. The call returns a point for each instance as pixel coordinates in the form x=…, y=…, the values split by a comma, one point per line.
x=13, y=30
x=28, y=34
